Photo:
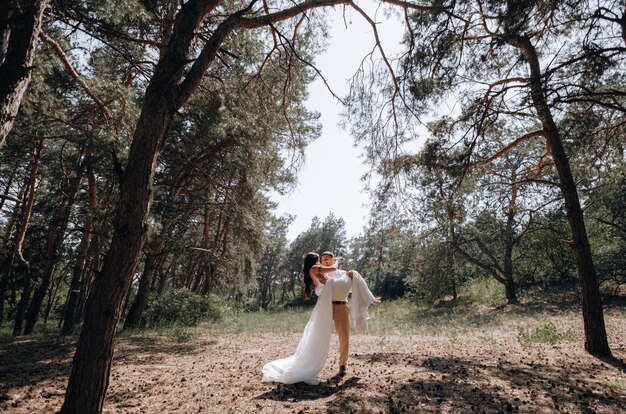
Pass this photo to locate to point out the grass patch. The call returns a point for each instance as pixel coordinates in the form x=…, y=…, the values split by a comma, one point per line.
x=41, y=331
x=5, y=337
x=547, y=333
x=397, y=317
x=483, y=291
x=183, y=334
x=405, y=316
x=288, y=320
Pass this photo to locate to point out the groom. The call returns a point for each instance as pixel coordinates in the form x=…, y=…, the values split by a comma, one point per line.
x=341, y=313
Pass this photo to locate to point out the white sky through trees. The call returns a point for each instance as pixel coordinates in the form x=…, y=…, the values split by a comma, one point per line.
x=330, y=179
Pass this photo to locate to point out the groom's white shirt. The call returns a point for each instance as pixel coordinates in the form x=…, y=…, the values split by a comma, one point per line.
x=341, y=287
x=361, y=296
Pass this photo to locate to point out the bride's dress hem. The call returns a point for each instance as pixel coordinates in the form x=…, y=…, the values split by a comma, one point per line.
x=312, y=351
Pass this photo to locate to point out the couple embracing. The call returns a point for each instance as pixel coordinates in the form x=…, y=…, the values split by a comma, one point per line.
x=332, y=287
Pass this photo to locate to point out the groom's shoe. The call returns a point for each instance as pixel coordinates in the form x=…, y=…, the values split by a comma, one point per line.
x=342, y=370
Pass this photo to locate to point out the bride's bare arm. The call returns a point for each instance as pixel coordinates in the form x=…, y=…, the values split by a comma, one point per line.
x=320, y=271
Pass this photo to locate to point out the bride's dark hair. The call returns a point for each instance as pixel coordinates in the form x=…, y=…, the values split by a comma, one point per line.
x=309, y=261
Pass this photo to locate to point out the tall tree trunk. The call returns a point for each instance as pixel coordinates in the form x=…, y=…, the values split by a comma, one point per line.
x=163, y=280
x=20, y=22
x=7, y=189
x=94, y=254
x=166, y=92
x=52, y=294
x=78, y=270
x=509, y=242
x=6, y=12
x=143, y=292
x=89, y=377
x=17, y=211
x=9, y=260
x=25, y=271
x=266, y=282
x=56, y=236
x=283, y=294
x=452, y=241
x=596, y=342
x=23, y=265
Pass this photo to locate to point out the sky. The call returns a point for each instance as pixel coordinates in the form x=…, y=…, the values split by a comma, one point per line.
x=332, y=160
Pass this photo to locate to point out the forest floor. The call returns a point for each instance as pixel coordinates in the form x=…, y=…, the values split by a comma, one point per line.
x=525, y=359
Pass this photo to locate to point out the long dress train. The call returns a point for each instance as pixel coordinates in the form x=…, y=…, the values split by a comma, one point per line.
x=312, y=351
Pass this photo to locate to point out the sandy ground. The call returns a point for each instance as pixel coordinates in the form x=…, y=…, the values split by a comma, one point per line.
x=488, y=372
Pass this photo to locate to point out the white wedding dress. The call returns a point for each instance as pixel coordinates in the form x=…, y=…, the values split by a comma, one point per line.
x=312, y=351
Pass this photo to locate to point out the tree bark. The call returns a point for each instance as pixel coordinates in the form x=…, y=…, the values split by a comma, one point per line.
x=52, y=295
x=143, y=292
x=78, y=270
x=150, y=268
x=167, y=91
x=56, y=236
x=7, y=264
x=7, y=189
x=20, y=26
x=89, y=377
x=509, y=242
x=6, y=12
x=24, y=270
x=596, y=342
x=16, y=255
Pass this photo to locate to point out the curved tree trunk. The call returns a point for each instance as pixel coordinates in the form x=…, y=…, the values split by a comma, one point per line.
x=89, y=377
x=20, y=23
x=596, y=342
x=92, y=362
x=154, y=258
x=167, y=91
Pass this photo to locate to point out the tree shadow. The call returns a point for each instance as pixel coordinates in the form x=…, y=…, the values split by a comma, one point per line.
x=305, y=392
x=614, y=301
x=32, y=361
x=396, y=358
x=614, y=362
x=443, y=384
x=158, y=347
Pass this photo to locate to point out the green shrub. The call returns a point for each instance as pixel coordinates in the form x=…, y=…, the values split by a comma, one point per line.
x=182, y=307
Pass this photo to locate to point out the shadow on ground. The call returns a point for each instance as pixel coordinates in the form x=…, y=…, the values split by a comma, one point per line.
x=441, y=384
x=28, y=362
x=305, y=392
x=27, y=365
x=158, y=347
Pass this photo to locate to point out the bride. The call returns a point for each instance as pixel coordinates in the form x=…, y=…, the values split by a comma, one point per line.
x=312, y=351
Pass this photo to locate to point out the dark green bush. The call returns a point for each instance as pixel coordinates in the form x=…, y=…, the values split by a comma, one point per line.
x=182, y=307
